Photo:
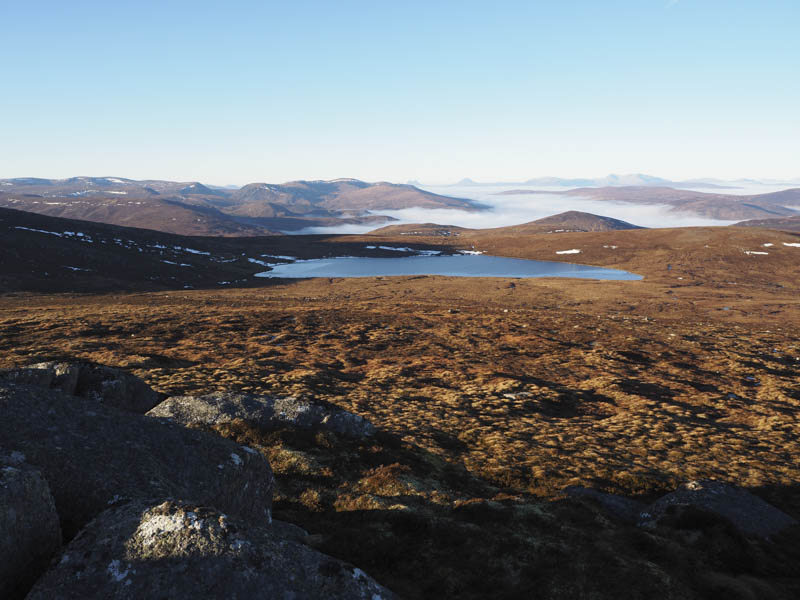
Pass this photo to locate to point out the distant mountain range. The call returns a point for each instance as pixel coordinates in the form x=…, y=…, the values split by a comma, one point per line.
x=633, y=179
x=725, y=207
x=192, y=208
x=256, y=209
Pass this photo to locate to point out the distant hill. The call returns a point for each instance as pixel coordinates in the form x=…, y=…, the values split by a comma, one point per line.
x=420, y=229
x=614, y=180
x=781, y=223
x=572, y=221
x=338, y=195
x=567, y=222
x=725, y=207
x=196, y=209
x=582, y=221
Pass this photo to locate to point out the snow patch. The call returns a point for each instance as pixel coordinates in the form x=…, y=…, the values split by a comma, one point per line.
x=39, y=230
x=279, y=257
x=192, y=251
x=792, y=244
x=392, y=248
x=755, y=252
x=573, y=251
x=471, y=252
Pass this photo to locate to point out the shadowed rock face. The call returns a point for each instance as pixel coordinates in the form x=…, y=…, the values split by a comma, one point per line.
x=93, y=455
x=747, y=513
x=623, y=508
x=104, y=384
x=264, y=411
x=180, y=550
x=29, y=529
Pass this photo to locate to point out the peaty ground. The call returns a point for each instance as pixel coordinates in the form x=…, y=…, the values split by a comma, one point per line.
x=506, y=388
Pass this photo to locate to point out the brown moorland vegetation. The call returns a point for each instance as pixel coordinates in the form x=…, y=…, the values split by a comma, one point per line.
x=489, y=393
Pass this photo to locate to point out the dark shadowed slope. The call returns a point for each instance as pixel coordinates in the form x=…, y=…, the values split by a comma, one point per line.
x=147, y=212
x=52, y=254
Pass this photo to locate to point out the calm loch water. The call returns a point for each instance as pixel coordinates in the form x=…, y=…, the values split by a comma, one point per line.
x=452, y=266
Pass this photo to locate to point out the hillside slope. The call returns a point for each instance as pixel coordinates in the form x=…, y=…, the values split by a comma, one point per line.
x=781, y=223
x=196, y=209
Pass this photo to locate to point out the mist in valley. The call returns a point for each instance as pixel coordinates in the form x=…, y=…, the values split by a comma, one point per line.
x=505, y=210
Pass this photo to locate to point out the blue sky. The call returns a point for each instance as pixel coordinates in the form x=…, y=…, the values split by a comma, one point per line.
x=240, y=91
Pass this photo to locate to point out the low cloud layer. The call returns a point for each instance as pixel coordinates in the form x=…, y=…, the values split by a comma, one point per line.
x=517, y=209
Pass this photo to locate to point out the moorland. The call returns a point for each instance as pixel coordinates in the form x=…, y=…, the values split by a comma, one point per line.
x=491, y=396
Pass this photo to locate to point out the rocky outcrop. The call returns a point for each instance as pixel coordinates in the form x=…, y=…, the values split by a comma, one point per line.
x=88, y=380
x=62, y=376
x=180, y=550
x=29, y=530
x=747, y=513
x=622, y=508
x=263, y=411
x=93, y=455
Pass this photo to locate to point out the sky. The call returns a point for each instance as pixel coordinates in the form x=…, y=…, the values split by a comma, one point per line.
x=243, y=91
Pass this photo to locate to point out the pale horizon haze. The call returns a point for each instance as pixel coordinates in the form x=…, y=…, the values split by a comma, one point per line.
x=236, y=92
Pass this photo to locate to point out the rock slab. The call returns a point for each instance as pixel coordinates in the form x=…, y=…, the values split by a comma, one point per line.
x=622, y=508
x=181, y=550
x=746, y=512
x=29, y=529
x=89, y=380
x=264, y=411
x=93, y=455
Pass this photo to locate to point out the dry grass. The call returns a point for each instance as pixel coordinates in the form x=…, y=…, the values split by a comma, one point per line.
x=548, y=394
x=486, y=392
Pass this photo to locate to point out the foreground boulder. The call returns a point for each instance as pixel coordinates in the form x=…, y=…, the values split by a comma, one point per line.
x=29, y=530
x=93, y=455
x=57, y=375
x=88, y=380
x=180, y=550
x=747, y=513
x=263, y=411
